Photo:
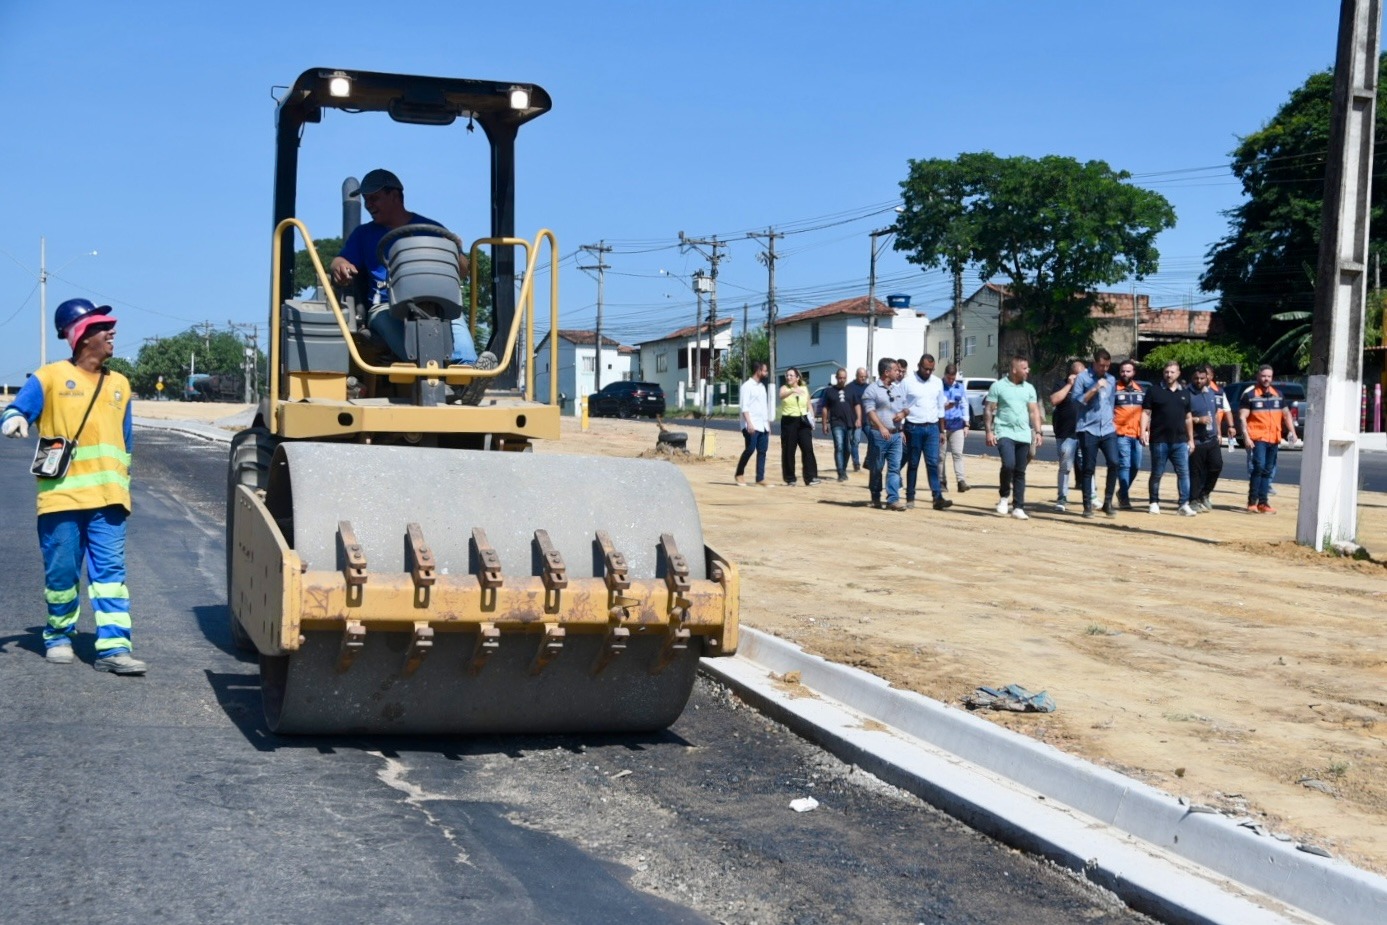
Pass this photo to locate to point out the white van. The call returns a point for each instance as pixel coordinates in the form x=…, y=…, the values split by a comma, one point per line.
x=976, y=390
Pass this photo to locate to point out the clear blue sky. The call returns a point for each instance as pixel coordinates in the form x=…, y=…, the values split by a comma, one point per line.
x=144, y=131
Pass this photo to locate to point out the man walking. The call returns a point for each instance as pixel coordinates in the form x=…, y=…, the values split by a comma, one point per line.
x=839, y=419
x=1012, y=416
x=1094, y=390
x=1066, y=415
x=82, y=502
x=1167, y=426
x=924, y=395
x=955, y=429
x=1206, y=461
x=884, y=410
x=756, y=424
x=1128, y=401
x=1266, y=421
x=854, y=390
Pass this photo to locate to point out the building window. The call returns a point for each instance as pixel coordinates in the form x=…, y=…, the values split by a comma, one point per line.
x=814, y=332
x=683, y=359
x=970, y=346
x=662, y=362
x=589, y=364
x=991, y=342
x=944, y=348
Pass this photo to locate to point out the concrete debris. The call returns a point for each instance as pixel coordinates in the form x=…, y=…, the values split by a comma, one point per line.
x=804, y=804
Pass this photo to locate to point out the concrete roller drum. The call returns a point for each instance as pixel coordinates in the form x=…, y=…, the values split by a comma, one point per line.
x=380, y=490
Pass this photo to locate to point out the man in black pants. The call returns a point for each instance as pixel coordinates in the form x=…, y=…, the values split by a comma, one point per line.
x=1206, y=462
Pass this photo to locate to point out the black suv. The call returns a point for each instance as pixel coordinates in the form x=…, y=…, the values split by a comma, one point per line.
x=627, y=400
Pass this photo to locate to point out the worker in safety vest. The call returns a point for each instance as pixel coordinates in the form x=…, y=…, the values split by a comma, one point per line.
x=82, y=413
x=1266, y=421
x=1128, y=399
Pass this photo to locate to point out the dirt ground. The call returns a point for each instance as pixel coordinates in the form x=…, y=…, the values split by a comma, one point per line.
x=1211, y=657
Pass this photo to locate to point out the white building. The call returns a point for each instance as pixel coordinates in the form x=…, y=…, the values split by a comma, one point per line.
x=681, y=362
x=821, y=340
x=577, y=366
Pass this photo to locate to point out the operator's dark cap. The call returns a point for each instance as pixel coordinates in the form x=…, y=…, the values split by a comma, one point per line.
x=377, y=180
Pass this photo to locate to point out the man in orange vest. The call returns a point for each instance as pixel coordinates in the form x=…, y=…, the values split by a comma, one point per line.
x=1266, y=421
x=1128, y=399
x=82, y=508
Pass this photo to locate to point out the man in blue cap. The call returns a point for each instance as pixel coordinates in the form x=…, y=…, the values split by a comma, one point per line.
x=384, y=197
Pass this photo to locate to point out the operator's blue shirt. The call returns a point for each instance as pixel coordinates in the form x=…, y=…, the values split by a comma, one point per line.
x=1096, y=414
x=361, y=248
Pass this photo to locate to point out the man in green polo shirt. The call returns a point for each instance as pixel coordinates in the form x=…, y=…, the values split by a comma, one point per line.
x=1012, y=419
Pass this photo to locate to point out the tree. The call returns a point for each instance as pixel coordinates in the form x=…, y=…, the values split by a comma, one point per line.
x=1053, y=227
x=1192, y=353
x=1264, y=269
x=305, y=277
x=755, y=345
x=174, y=358
x=123, y=366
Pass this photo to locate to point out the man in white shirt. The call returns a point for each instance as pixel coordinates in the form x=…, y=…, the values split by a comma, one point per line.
x=756, y=424
x=924, y=393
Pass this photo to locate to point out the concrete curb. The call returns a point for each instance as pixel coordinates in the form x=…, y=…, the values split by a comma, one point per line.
x=1163, y=857
x=192, y=428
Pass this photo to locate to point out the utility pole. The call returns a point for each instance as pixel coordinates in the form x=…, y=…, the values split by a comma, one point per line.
x=248, y=360
x=598, y=250
x=872, y=293
x=958, y=318
x=714, y=256
x=1329, y=475
x=768, y=257
x=745, y=341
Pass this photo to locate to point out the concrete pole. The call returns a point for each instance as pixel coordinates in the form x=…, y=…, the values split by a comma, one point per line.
x=958, y=319
x=43, y=301
x=1329, y=472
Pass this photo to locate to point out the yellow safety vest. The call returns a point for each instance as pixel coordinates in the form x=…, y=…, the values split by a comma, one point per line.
x=99, y=475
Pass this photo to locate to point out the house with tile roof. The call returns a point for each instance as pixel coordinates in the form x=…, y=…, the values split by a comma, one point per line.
x=578, y=364
x=821, y=340
x=683, y=361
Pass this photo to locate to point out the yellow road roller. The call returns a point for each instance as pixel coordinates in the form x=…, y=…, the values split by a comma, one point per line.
x=396, y=555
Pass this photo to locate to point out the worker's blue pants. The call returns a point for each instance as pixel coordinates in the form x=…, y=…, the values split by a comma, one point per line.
x=98, y=536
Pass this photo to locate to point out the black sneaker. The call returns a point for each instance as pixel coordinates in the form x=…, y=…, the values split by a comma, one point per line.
x=942, y=504
x=1108, y=509
x=962, y=487
x=814, y=482
x=1125, y=506
x=1088, y=511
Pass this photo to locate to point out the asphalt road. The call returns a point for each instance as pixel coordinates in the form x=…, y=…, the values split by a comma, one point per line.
x=165, y=799
x=1372, y=467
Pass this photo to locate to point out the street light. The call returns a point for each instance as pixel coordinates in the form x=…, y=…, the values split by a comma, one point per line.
x=43, y=295
x=872, y=289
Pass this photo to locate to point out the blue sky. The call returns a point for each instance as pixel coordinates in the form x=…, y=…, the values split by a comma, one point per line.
x=144, y=131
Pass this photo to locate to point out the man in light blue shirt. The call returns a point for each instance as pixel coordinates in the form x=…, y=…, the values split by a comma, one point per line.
x=1097, y=433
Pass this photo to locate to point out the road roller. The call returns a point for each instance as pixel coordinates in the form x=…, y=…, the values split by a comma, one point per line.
x=398, y=557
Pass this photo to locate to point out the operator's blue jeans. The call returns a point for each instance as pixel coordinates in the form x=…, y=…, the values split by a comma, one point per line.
x=1068, y=448
x=854, y=438
x=391, y=330
x=841, y=433
x=1179, y=456
x=922, y=439
x=1263, y=458
x=1128, y=465
x=884, y=452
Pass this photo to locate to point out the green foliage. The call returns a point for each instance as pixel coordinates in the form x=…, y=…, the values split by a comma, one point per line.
x=123, y=366
x=1265, y=267
x=1054, y=228
x=215, y=352
x=755, y=346
x=1190, y=354
x=305, y=277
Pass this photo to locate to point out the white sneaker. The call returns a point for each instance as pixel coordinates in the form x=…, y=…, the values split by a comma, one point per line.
x=1155, y=508
x=1003, y=506
x=1187, y=511
x=1019, y=514
x=1059, y=507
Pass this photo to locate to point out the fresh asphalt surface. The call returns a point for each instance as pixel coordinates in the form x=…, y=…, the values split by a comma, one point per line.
x=1372, y=467
x=165, y=799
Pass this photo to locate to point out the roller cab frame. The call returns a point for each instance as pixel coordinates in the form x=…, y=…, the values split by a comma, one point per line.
x=394, y=572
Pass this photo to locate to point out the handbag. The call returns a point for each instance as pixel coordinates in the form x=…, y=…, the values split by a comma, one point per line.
x=53, y=455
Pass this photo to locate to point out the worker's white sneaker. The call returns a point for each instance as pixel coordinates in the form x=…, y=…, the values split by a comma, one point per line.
x=1187, y=511
x=1019, y=514
x=1155, y=508
x=1003, y=506
x=124, y=663
x=60, y=654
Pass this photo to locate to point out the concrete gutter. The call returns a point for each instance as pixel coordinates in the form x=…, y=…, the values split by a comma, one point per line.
x=1164, y=857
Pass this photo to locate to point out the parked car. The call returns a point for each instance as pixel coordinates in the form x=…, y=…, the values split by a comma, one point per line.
x=976, y=390
x=1292, y=392
x=816, y=401
x=627, y=400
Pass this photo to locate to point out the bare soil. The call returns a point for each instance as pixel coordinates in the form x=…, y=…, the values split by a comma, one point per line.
x=1211, y=657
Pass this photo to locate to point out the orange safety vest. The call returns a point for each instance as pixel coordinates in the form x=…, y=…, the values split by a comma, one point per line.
x=1126, y=411
x=1265, y=417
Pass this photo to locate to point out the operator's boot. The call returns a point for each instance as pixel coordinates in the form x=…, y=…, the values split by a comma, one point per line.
x=471, y=394
x=123, y=663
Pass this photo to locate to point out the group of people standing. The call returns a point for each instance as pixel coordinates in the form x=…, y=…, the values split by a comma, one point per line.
x=1182, y=425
